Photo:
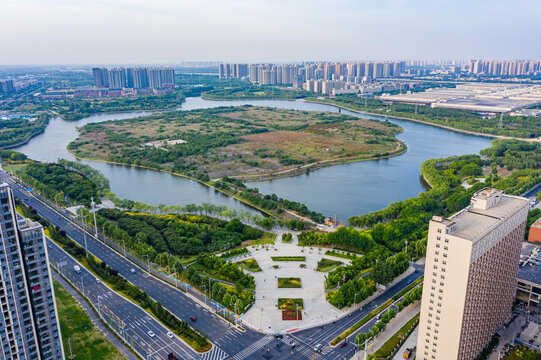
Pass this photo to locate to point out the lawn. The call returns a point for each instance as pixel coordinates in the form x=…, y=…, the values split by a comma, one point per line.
x=267, y=238
x=87, y=342
x=250, y=265
x=288, y=258
x=347, y=256
x=325, y=265
x=385, y=350
x=289, y=303
x=290, y=282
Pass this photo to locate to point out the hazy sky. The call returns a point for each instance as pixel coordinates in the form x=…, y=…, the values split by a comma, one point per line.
x=169, y=31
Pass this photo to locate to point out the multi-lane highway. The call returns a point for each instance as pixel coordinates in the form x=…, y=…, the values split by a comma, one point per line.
x=229, y=343
x=129, y=320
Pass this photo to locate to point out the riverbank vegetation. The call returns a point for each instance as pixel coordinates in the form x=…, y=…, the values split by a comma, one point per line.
x=247, y=90
x=19, y=130
x=76, y=109
x=515, y=126
x=250, y=143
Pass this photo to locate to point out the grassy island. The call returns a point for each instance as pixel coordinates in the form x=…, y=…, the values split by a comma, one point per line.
x=246, y=142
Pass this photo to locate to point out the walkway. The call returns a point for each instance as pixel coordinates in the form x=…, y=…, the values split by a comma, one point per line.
x=94, y=318
x=396, y=324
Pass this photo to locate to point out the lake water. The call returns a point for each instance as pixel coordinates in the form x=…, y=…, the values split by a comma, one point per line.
x=341, y=190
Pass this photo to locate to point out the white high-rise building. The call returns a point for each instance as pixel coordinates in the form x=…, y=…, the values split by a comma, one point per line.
x=29, y=328
x=472, y=260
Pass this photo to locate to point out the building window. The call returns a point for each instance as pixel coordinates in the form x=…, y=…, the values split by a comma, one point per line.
x=438, y=246
x=447, y=240
x=439, y=230
x=445, y=248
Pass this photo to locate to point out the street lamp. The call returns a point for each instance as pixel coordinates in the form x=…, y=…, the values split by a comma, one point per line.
x=84, y=231
x=82, y=283
x=92, y=203
x=148, y=262
x=99, y=305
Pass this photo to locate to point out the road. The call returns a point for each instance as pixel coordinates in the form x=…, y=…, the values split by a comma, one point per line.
x=121, y=314
x=229, y=342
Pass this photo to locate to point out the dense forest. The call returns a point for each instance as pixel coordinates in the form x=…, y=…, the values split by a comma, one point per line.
x=58, y=182
x=516, y=126
x=180, y=235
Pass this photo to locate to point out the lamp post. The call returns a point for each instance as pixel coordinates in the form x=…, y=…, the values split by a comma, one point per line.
x=148, y=262
x=84, y=231
x=92, y=203
x=99, y=305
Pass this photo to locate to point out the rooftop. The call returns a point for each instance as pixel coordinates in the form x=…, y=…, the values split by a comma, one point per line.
x=530, y=263
x=489, y=208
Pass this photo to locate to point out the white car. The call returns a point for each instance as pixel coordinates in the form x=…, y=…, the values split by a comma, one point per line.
x=132, y=270
x=151, y=334
x=98, y=281
x=318, y=347
x=170, y=334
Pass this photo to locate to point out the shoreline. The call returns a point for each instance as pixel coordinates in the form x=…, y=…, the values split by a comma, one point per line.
x=492, y=136
x=401, y=149
x=179, y=175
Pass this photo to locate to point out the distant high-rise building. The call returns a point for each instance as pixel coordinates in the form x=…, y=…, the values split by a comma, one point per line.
x=470, y=280
x=29, y=327
x=116, y=78
x=138, y=78
x=101, y=78
x=6, y=86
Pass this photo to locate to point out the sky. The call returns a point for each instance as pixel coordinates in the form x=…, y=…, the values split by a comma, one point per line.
x=170, y=31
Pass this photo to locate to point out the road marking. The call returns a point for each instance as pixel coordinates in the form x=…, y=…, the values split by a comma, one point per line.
x=214, y=354
x=253, y=348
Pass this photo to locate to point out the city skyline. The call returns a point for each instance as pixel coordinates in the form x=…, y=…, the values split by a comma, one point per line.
x=278, y=31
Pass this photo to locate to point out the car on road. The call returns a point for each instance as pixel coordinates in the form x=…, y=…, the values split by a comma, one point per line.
x=278, y=336
x=293, y=345
x=410, y=281
x=151, y=334
x=193, y=318
x=170, y=334
x=343, y=343
x=318, y=347
x=132, y=270
x=98, y=281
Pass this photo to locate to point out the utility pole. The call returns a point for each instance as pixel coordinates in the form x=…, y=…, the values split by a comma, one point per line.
x=71, y=353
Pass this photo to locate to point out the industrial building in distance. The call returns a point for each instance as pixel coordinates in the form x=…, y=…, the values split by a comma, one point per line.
x=472, y=260
x=480, y=97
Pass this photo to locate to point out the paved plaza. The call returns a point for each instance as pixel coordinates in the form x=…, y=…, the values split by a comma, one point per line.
x=264, y=315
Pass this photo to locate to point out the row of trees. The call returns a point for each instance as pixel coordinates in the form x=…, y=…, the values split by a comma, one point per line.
x=414, y=295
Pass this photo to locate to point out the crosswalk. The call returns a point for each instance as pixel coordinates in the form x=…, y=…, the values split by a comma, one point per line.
x=253, y=348
x=214, y=354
